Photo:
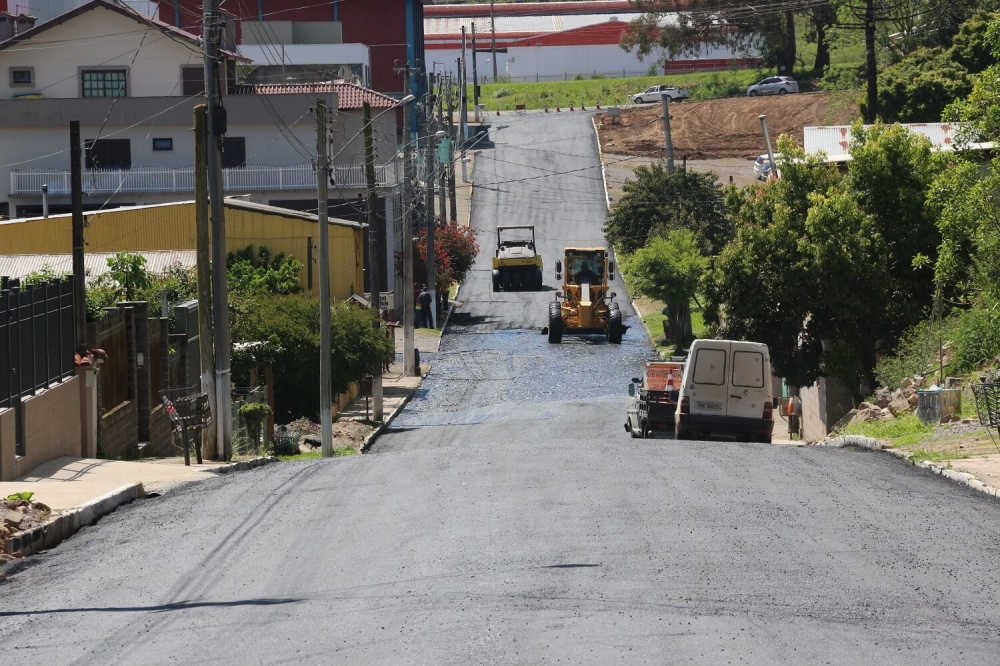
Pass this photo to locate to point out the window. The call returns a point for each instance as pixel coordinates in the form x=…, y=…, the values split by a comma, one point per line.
x=104, y=83
x=109, y=154
x=748, y=369
x=710, y=367
x=22, y=76
x=193, y=81
x=163, y=144
x=234, y=152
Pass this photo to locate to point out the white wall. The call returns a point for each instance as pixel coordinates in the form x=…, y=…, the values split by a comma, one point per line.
x=561, y=61
x=99, y=38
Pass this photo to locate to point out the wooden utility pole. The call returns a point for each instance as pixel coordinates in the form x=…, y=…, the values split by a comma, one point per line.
x=374, y=232
x=453, y=195
x=79, y=268
x=325, y=370
x=216, y=117
x=205, y=347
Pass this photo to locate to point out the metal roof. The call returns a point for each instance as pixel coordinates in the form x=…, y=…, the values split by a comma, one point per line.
x=835, y=140
x=515, y=24
x=96, y=263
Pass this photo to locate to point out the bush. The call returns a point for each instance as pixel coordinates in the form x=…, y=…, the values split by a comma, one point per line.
x=579, y=77
x=500, y=93
x=596, y=77
x=920, y=86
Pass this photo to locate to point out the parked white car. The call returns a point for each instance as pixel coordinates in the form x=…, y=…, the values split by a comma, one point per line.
x=762, y=167
x=654, y=93
x=773, y=85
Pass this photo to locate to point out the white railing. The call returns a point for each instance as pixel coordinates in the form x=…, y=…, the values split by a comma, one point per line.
x=253, y=178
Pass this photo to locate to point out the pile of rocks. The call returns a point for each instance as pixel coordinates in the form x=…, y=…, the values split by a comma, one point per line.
x=887, y=404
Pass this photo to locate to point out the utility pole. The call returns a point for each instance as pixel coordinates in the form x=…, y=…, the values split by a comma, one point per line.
x=410, y=368
x=79, y=268
x=871, y=65
x=767, y=142
x=668, y=142
x=429, y=211
x=475, y=77
x=220, y=288
x=453, y=195
x=493, y=41
x=207, y=367
x=442, y=185
x=323, y=179
x=373, y=264
x=464, y=96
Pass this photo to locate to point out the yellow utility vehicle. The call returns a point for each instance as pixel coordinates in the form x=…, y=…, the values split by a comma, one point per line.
x=517, y=266
x=586, y=306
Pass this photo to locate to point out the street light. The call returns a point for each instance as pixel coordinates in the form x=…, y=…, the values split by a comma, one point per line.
x=323, y=178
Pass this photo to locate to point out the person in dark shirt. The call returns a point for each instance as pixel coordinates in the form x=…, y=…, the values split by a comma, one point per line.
x=418, y=310
x=425, y=303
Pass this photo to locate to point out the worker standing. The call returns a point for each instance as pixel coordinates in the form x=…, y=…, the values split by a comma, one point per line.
x=418, y=309
x=425, y=303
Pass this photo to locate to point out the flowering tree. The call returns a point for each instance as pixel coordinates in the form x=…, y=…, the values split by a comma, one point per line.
x=455, y=250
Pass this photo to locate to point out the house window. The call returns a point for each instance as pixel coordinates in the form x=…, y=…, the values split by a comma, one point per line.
x=104, y=83
x=234, y=152
x=192, y=80
x=22, y=76
x=109, y=154
x=163, y=144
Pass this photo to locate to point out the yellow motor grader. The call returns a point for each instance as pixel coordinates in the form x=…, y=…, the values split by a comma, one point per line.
x=586, y=306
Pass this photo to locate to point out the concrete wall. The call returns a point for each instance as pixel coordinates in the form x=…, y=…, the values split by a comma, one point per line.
x=823, y=404
x=52, y=429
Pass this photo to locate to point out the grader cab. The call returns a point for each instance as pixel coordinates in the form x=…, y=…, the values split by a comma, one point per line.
x=586, y=305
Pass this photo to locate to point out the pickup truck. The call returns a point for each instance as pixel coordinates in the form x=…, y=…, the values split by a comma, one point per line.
x=654, y=93
x=653, y=401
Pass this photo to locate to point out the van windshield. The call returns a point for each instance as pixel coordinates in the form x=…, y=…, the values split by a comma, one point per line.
x=710, y=367
x=748, y=369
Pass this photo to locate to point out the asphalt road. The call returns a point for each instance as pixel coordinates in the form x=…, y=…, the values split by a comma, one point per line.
x=509, y=519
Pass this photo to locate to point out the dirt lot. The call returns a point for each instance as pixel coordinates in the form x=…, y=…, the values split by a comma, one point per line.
x=723, y=128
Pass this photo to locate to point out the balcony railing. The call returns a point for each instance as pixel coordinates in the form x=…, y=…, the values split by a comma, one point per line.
x=143, y=180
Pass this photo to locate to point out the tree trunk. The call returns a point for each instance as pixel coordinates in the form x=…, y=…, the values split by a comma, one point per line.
x=822, y=47
x=871, y=71
x=680, y=324
x=785, y=55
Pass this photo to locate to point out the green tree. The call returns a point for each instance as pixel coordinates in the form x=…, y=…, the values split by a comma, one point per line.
x=669, y=270
x=919, y=87
x=980, y=110
x=971, y=46
x=128, y=274
x=660, y=200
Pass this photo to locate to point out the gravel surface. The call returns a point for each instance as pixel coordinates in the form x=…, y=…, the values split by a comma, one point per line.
x=509, y=519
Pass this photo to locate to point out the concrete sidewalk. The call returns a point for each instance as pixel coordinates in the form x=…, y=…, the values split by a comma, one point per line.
x=397, y=389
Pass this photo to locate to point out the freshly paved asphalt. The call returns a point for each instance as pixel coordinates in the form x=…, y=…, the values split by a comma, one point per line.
x=507, y=518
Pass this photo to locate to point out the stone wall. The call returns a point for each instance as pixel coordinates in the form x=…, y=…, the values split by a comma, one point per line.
x=52, y=429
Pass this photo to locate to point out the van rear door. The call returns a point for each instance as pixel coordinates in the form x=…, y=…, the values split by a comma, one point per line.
x=708, y=382
x=749, y=380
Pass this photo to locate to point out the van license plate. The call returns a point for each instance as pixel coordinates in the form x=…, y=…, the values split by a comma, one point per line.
x=706, y=404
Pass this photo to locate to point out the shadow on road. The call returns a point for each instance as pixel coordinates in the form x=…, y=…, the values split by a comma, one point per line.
x=180, y=605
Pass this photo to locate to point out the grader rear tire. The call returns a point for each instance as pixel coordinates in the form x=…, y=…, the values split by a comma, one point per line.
x=555, y=323
x=615, y=326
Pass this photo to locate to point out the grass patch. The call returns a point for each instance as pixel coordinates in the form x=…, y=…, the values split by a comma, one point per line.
x=337, y=453
x=902, y=432
x=935, y=456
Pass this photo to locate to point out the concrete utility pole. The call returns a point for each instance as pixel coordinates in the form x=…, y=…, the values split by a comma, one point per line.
x=323, y=179
x=208, y=438
x=668, y=142
x=79, y=267
x=220, y=287
x=374, y=232
x=410, y=368
x=464, y=94
x=475, y=78
x=443, y=183
x=452, y=194
x=429, y=212
x=493, y=41
x=767, y=142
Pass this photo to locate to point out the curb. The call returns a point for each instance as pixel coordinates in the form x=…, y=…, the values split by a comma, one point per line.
x=386, y=423
x=600, y=154
x=69, y=523
x=862, y=442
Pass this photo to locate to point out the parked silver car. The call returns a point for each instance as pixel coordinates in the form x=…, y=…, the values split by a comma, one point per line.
x=654, y=93
x=774, y=85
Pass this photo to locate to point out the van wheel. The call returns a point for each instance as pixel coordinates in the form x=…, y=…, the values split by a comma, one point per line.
x=682, y=433
x=764, y=439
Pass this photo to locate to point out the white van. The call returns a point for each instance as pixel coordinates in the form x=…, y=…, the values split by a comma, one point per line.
x=726, y=388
